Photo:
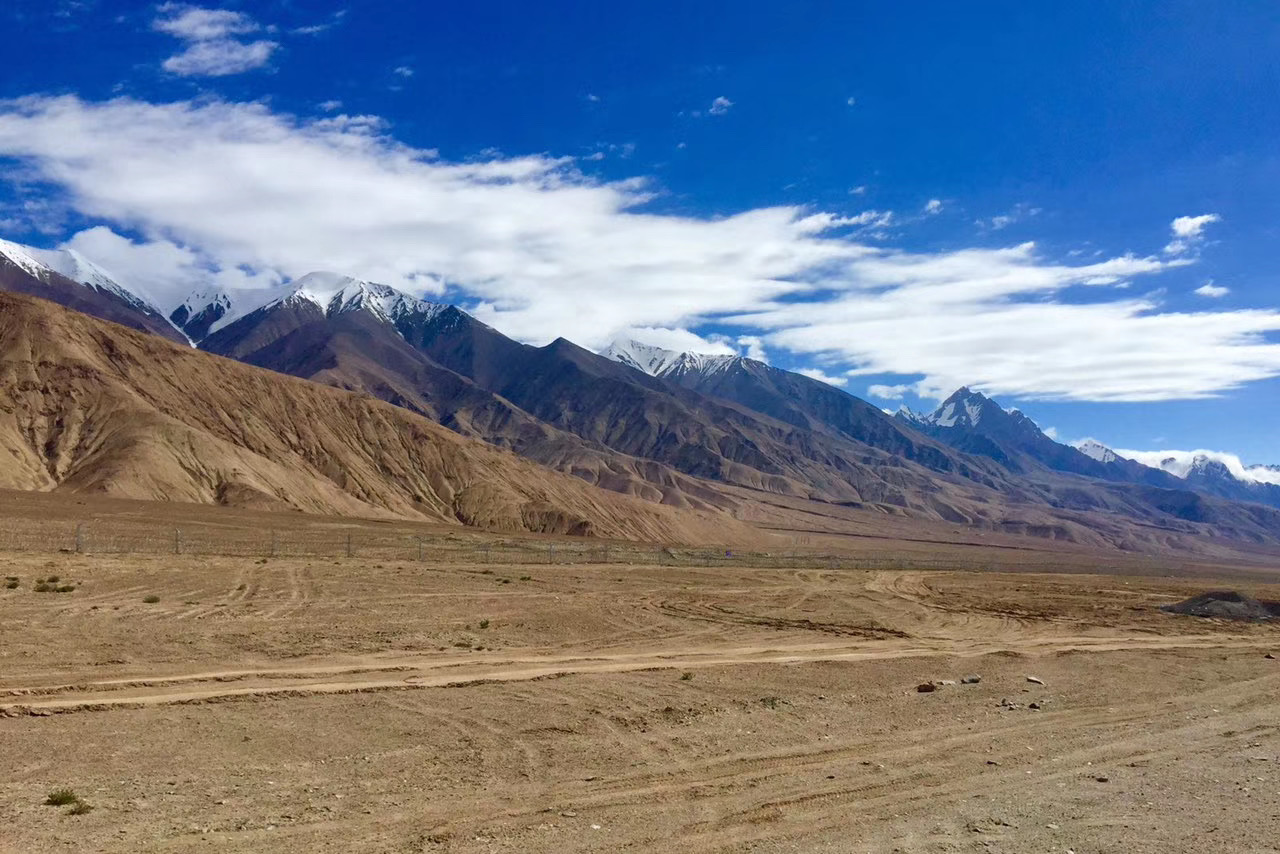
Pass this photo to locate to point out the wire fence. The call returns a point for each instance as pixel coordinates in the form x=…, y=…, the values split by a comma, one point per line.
x=139, y=537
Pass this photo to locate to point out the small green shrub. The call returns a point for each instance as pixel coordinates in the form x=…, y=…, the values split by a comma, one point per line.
x=64, y=588
x=81, y=808
x=43, y=587
x=484, y=624
x=152, y=599
x=526, y=578
x=11, y=583
x=686, y=676
x=54, y=579
x=61, y=797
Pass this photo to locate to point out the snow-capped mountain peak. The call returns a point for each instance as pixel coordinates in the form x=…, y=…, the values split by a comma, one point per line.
x=70, y=264
x=964, y=408
x=1096, y=450
x=643, y=357
x=337, y=294
x=659, y=362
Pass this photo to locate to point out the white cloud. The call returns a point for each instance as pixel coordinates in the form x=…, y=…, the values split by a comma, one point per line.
x=933, y=206
x=889, y=392
x=815, y=374
x=851, y=100
x=1179, y=463
x=720, y=106
x=1209, y=289
x=595, y=99
x=1192, y=226
x=754, y=347
x=330, y=106
x=220, y=58
x=228, y=191
x=403, y=71
x=1188, y=232
x=193, y=23
x=860, y=190
x=212, y=47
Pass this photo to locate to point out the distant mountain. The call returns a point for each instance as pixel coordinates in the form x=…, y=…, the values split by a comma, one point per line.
x=797, y=400
x=87, y=406
x=1210, y=474
x=68, y=278
x=721, y=433
x=972, y=422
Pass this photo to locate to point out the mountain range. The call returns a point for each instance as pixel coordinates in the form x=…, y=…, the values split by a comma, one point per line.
x=719, y=435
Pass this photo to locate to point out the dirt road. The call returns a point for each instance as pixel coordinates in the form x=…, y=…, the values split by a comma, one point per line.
x=309, y=706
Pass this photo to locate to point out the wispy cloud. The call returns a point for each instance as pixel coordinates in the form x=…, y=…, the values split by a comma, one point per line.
x=403, y=71
x=933, y=206
x=213, y=49
x=240, y=190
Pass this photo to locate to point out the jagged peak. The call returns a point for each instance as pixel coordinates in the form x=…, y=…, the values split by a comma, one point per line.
x=660, y=362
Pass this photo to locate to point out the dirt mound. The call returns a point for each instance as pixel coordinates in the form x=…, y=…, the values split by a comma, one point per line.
x=1225, y=604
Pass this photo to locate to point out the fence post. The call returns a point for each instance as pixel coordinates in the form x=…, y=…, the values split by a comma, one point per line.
x=177, y=541
x=80, y=538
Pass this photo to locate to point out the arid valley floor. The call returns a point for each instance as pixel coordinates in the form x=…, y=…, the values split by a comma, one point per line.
x=359, y=704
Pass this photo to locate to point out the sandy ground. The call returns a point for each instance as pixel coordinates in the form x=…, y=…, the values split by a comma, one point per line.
x=353, y=705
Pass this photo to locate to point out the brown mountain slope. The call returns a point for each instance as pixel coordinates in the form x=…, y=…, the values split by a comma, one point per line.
x=91, y=406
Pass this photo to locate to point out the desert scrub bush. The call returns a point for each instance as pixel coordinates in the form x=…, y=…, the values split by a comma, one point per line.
x=61, y=797
x=686, y=676
x=152, y=599
x=484, y=624
x=11, y=583
x=772, y=702
x=54, y=579
x=43, y=587
x=80, y=808
x=64, y=588
x=526, y=578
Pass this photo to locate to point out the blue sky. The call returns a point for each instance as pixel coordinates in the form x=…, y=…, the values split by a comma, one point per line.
x=1070, y=206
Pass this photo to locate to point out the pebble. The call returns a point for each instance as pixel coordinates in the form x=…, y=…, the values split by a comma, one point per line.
x=972, y=679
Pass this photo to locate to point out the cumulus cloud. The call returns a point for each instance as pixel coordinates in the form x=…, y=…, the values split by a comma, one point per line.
x=754, y=347
x=933, y=206
x=1209, y=289
x=213, y=49
x=1188, y=232
x=820, y=376
x=720, y=106
x=537, y=249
